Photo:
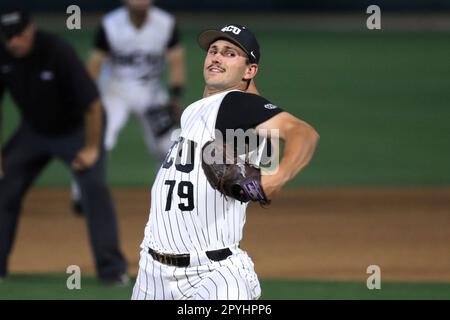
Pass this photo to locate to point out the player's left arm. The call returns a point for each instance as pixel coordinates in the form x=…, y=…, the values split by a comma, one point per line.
x=100, y=52
x=94, y=65
x=300, y=143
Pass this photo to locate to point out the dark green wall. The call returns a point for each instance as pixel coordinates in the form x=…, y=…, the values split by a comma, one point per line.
x=253, y=5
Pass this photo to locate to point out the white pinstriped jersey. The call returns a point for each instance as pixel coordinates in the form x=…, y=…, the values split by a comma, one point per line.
x=187, y=214
x=138, y=53
x=137, y=56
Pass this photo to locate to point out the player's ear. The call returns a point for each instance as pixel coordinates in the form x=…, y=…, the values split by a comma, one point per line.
x=250, y=71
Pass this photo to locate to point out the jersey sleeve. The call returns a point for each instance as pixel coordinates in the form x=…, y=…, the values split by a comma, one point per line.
x=174, y=37
x=76, y=83
x=240, y=110
x=101, y=41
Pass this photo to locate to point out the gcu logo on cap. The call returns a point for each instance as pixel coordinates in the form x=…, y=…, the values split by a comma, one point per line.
x=231, y=28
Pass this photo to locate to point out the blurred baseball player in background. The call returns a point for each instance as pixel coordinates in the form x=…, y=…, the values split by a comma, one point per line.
x=191, y=244
x=61, y=118
x=132, y=47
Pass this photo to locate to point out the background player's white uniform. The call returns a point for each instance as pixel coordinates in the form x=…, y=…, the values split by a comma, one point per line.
x=188, y=216
x=131, y=78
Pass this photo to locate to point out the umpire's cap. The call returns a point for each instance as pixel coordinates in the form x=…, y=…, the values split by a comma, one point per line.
x=238, y=34
x=13, y=21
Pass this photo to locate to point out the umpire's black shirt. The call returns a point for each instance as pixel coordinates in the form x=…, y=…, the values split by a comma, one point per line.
x=50, y=86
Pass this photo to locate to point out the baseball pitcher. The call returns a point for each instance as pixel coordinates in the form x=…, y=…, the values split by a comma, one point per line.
x=198, y=207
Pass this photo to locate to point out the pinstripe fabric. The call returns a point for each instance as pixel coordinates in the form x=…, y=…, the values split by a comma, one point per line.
x=214, y=222
x=137, y=55
x=233, y=278
x=188, y=216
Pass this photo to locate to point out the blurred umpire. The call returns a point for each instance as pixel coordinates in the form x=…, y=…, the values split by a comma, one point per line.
x=61, y=117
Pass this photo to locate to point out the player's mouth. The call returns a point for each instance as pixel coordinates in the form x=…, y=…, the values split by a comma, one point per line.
x=215, y=69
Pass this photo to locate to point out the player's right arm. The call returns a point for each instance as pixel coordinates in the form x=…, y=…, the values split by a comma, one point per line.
x=95, y=62
x=300, y=143
x=300, y=139
x=99, y=53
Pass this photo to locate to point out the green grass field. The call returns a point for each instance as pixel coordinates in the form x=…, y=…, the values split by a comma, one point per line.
x=21, y=286
x=378, y=99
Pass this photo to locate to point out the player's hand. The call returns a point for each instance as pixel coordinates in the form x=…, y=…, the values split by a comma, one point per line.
x=272, y=184
x=85, y=158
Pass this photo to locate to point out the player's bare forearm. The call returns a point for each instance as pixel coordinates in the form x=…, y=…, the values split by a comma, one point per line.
x=89, y=154
x=300, y=143
x=177, y=68
x=94, y=64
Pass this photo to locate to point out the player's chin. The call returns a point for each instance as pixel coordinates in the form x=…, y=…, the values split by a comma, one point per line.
x=214, y=81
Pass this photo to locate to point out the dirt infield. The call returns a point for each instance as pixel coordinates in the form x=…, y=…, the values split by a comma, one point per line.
x=308, y=233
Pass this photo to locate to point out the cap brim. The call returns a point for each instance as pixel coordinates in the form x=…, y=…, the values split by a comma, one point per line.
x=209, y=36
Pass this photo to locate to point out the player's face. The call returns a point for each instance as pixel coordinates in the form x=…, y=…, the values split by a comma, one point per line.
x=139, y=5
x=226, y=67
x=21, y=44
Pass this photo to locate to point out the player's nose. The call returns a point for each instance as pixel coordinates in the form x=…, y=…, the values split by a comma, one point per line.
x=216, y=58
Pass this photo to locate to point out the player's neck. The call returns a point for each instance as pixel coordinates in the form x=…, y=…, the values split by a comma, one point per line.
x=212, y=91
x=138, y=18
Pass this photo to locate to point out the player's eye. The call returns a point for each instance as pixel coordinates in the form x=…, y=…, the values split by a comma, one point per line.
x=230, y=54
x=212, y=51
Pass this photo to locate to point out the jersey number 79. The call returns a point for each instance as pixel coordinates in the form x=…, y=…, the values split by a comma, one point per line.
x=185, y=189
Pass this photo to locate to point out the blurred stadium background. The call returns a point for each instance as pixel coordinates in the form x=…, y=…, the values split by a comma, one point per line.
x=377, y=191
